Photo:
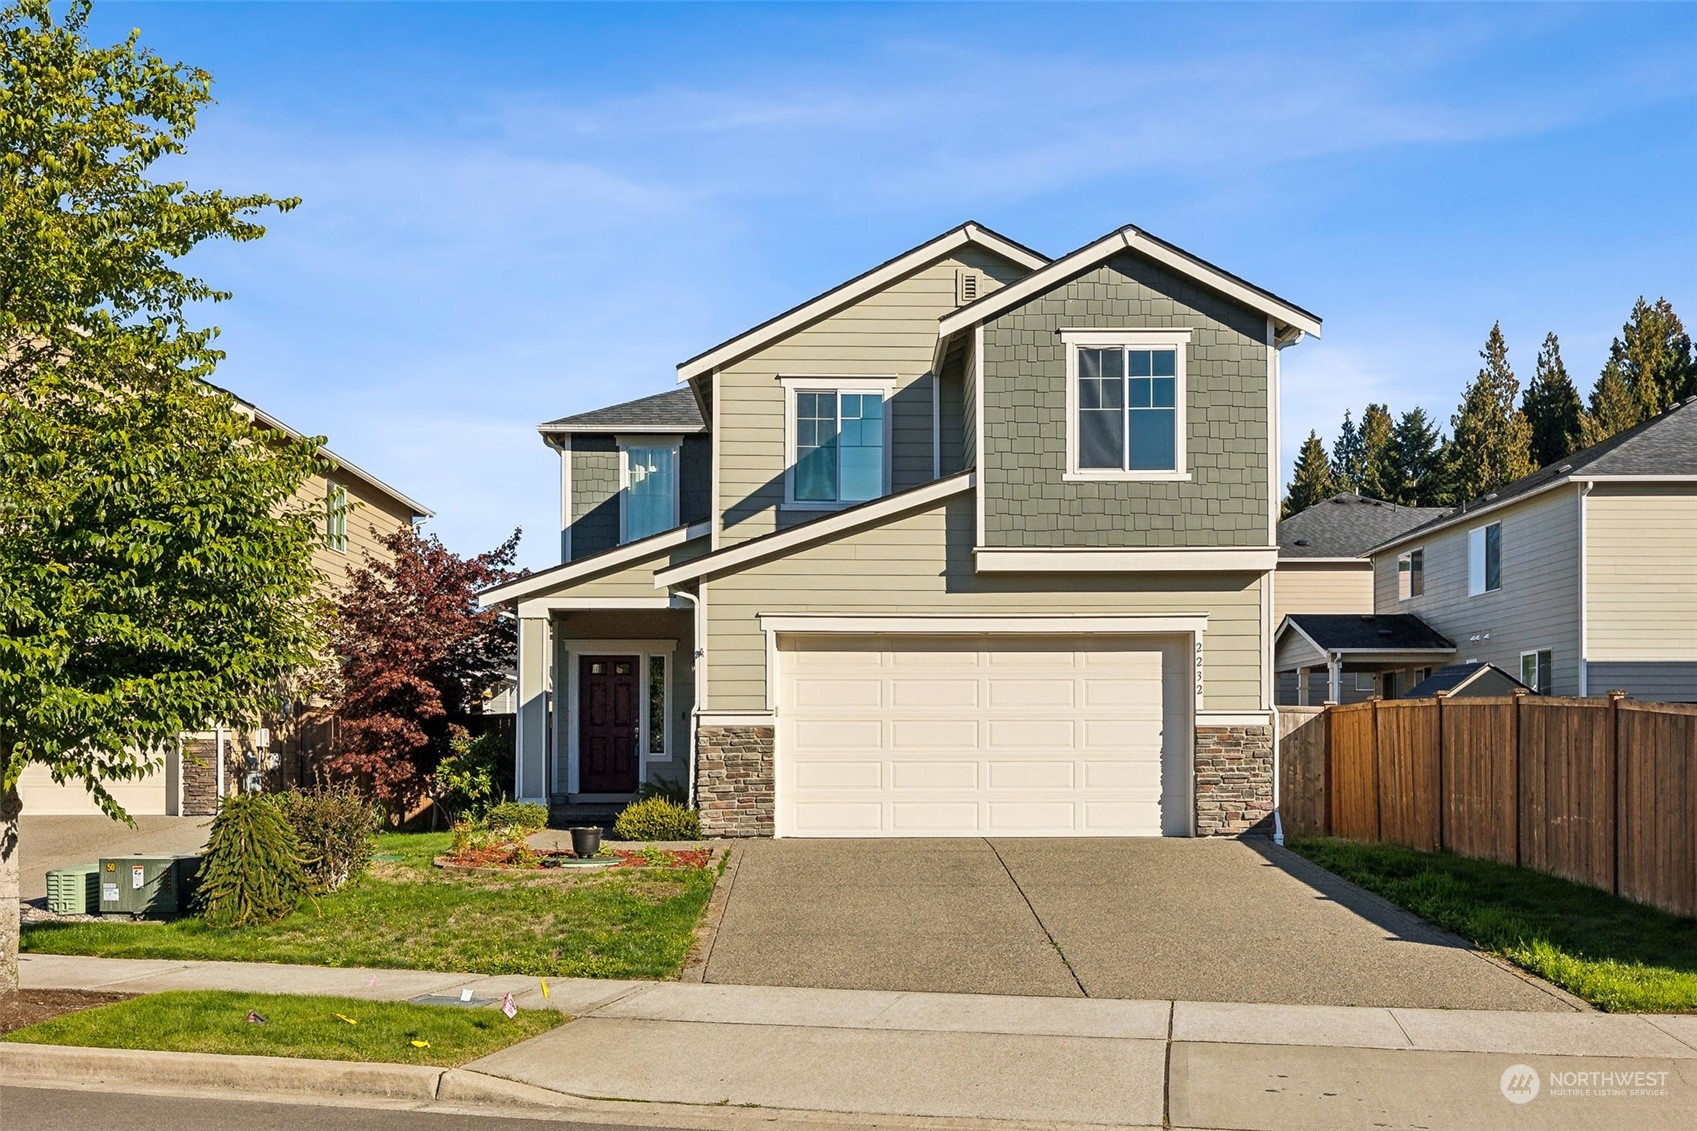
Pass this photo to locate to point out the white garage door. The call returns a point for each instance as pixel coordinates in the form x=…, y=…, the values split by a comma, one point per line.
x=42, y=797
x=893, y=735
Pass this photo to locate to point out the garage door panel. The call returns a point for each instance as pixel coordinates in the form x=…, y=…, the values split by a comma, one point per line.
x=1032, y=775
x=934, y=775
x=983, y=735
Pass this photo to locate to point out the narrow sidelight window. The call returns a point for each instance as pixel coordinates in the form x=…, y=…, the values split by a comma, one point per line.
x=336, y=517
x=657, y=706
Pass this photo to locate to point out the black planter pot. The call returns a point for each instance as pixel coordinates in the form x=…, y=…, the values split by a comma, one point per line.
x=586, y=842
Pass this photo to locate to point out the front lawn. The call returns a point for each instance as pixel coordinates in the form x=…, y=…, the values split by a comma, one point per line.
x=407, y=914
x=322, y=1028
x=1618, y=955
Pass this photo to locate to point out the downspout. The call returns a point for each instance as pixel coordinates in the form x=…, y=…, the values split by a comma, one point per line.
x=698, y=669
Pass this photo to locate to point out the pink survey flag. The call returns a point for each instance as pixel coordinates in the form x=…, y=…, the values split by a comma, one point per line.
x=508, y=1007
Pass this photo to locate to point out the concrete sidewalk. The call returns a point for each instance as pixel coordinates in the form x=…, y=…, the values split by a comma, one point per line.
x=983, y=1057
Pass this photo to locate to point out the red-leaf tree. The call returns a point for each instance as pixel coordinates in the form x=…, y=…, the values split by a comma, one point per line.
x=415, y=655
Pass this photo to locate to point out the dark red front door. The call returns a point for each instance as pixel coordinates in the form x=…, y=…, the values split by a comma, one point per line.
x=607, y=724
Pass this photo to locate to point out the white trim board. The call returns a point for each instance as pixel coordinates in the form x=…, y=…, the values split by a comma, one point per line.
x=542, y=606
x=771, y=545
x=562, y=575
x=845, y=293
x=1125, y=239
x=1257, y=559
x=1130, y=624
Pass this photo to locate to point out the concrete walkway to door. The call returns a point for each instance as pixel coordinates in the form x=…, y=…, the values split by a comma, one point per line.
x=1195, y=920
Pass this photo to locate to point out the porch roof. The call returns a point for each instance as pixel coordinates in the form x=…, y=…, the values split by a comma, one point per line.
x=1313, y=639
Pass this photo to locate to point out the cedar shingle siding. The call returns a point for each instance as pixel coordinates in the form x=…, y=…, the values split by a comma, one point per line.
x=595, y=495
x=1026, y=503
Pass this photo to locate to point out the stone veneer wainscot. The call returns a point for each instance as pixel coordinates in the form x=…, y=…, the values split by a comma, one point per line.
x=733, y=782
x=1234, y=779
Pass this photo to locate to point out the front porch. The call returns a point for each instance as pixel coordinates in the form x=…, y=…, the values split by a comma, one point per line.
x=605, y=702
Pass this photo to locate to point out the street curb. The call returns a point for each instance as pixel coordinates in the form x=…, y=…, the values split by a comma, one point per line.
x=60, y=1065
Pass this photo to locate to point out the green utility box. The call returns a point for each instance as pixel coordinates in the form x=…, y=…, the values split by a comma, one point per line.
x=74, y=891
x=154, y=884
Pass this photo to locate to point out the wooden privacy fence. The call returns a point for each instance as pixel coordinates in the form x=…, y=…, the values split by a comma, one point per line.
x=1601, y=791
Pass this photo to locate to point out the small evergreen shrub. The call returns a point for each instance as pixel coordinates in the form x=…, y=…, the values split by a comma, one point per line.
x=656, y=818
x=468, y=776
x=336, y=828
x=251, y=873
x=527, y=816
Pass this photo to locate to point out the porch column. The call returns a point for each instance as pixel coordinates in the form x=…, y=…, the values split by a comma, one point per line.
x=1302, y=686
x=1334, y=678
x=535, y=681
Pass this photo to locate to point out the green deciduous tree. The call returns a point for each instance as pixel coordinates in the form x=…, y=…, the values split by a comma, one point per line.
x=1653, y=354
x=1552, y=408
x=1417, y=453
x=154, y=576
x=1312, y=482
x=1492, y=439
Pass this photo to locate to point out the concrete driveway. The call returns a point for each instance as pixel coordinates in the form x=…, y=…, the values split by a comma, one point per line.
x=45, y=843
x=1185, y=920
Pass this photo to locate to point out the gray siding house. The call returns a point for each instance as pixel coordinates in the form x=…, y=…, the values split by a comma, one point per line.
x=975, y=543
x=1577, y=579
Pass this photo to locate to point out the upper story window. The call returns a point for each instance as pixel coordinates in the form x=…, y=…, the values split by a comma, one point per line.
x=336, y=517
x=1125, y=404
x=1484, y=559
x=648, y=488
x=838, y=441
x=1410, y=574
x=1535, y=670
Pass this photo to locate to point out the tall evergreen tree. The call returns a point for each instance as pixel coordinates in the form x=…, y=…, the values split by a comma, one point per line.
x=1492, y=438
x=1418, y=459
x=1654, y=356
x=1613, y=407
x=1552, y=407
x=1379, y=477
x=1347, y=457
x=1312, y=483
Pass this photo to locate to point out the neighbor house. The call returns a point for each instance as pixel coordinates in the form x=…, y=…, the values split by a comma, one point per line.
x=1324, y=570
x=974, y=543
x=1577, y=578
x=358, y=511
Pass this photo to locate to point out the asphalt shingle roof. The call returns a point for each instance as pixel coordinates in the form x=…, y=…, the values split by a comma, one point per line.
x=1456, y=676
x=1369, y=632
x=1347, y=526
x=1662, y=445
x=674, y=411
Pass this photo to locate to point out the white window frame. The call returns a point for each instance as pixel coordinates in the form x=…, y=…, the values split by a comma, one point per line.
x=855, y=385
x=1177, y=340
x=1407, y=575
x=1372, y=679
x=626, y=443
x=336, y=507
x=1542, y=675
x=1478, y=535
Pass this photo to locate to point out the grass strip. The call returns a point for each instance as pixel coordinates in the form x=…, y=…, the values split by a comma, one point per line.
x=216, y=1021
x=1618, y=955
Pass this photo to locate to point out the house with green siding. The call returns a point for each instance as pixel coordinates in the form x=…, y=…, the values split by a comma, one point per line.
x=976, y=543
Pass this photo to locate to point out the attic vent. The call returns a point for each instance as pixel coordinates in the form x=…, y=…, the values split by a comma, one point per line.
x=1302, y=541
x=966, y=287
x=1564, y=469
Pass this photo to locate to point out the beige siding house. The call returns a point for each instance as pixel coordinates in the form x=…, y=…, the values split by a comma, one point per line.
x=359, y=511
x=975, y=543
x=1578, y=578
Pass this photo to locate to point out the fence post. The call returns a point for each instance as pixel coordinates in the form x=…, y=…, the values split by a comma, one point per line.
x=1519, y=746
x=1615, y=696
x=1378, y=775
x=1443, y=781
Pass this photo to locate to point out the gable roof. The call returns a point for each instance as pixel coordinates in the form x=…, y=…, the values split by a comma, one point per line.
x=1454, y=679
x=1368, y=632
x=344, y=466
x=1287, y=315
x=1347, y=526
x=971, y=232
x=672, y=411
x=1661, y=448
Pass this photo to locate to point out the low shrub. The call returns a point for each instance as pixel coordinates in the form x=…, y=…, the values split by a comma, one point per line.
x=656, y=818
x=336, y=828
x=252, y=872
x=467, y=779
x=528, y=816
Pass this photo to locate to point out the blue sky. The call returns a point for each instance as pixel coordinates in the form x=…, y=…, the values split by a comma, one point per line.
x=516, y=212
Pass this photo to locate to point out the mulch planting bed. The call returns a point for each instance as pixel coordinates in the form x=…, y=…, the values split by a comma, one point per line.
x=28, y=1007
